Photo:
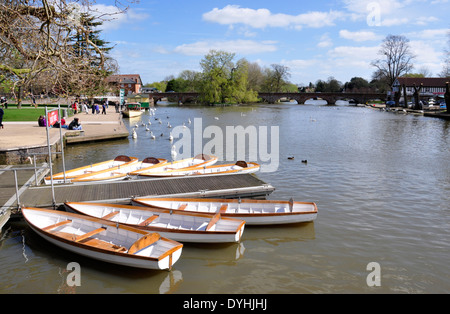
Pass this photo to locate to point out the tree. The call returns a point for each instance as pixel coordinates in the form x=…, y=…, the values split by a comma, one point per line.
x=397, y=58
x=276, y=78
x=356, y=84
x=446, y=69
x=35, y=42
x=223, y=81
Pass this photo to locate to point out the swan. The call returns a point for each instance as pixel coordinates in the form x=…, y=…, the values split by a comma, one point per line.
x=152, y=136
x=173, y=152
x=134, y=135
x=170, y=137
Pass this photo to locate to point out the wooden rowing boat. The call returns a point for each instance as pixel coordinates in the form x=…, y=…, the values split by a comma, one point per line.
x=120, y=172
x=254, y=212
x=199, y=160
x=103, y=240
x=73, y=173
x=180, y=226
x=238, y=167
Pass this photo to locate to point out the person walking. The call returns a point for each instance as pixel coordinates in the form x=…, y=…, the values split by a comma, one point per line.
x=1, y=118
x=104, y=107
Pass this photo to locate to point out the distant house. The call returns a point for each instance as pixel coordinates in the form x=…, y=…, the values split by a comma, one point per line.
x=131, y=83
x=431, y=86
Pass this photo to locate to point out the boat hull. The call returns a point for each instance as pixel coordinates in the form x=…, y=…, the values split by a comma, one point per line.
x=253, y=212
x=58, y=178
x=182, y=227
x=205, y=170
x=139, y=259
x=197, y=161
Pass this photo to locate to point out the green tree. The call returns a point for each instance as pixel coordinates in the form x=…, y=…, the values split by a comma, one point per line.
x=223, y=81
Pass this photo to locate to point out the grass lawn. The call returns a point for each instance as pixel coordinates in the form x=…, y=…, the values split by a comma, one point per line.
x=24, y=114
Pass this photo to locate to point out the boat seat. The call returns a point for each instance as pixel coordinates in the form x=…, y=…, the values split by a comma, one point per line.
x=182, y=207
x=110, y=215
x=147, y=221
x=223, y=208
x=143, y=242
x=56, y=225
x=213, y=221
x=89, y=234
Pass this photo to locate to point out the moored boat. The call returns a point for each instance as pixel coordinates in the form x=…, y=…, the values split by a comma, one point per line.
x=254, y=212
x=180, y=226
x=120, y=172
x=133, y=110
x=120, y=160
x=199, y=160
x=238, y=167
x=103, y=240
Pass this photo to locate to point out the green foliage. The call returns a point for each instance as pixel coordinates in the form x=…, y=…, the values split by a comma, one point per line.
x=224, y=81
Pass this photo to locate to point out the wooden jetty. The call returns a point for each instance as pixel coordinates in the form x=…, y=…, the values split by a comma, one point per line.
x=223, y=186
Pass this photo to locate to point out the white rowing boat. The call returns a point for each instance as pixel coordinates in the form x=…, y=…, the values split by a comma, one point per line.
x=200, y=160
x=103, y=240
x=120, y=172
x=109, y=164
x=238, y=167
x=254, y=212
x=180, y=226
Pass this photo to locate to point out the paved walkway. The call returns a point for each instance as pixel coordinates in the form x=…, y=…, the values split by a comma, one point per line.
x=17, y=135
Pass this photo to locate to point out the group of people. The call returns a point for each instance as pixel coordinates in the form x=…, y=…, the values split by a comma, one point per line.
x=74, y=125
x=80, y=107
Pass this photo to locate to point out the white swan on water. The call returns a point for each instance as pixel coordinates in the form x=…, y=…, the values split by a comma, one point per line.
x=173, y=153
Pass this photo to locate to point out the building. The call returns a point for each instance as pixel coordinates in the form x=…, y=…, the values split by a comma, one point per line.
x=431, y=86
x=131, y=83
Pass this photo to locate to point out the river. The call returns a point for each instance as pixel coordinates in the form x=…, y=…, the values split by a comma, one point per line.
x=381, y=182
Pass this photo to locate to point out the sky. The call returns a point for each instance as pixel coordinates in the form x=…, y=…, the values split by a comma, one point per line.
x=314, y=39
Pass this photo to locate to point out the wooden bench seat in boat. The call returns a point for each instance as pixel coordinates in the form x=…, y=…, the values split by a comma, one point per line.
x=143, y=242
x=92, y=242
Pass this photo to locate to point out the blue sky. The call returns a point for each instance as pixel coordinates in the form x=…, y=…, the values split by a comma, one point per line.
x=314, y=39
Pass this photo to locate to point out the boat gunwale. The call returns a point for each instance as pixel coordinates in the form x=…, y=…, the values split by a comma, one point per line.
x=168, y=173
x=234, y=215
x=82, y=178
x=165, y=211
x=103, y=222
x=212, y=160
x=60, y=175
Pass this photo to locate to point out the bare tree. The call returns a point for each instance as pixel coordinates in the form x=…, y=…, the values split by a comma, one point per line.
x=397, y=58
x=446, y=69
x=35, y=42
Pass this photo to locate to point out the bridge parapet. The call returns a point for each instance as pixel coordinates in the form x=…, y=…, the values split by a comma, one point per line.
x=301, y=98
x=331, y=98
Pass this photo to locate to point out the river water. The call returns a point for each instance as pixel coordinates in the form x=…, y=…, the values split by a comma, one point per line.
x=381, y=182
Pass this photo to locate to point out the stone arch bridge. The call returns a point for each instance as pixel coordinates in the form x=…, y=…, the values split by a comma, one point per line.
x=331, y=98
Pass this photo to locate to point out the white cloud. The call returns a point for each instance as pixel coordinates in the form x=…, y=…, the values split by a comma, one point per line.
x=359, y=36
x=349, y=56
x=262, y=18
x=245, y=47
x=325, y=41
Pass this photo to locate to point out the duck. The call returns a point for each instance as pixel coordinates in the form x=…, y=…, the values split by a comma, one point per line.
x=291, y=157
x=304, y=161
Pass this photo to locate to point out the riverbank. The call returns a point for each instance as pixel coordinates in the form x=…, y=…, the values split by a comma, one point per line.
x=19, y=140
